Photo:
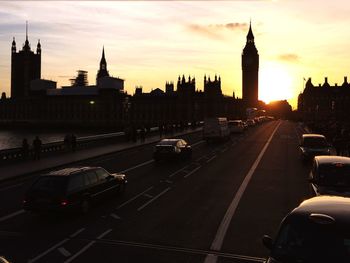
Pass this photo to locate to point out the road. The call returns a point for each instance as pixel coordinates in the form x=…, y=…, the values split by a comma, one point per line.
x=214, y=208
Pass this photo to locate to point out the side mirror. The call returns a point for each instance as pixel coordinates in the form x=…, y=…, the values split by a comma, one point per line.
x=311, y=180
x=109, y=177
x=267, y=241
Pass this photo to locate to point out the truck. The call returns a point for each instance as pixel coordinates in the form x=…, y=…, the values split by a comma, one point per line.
x=216, y=129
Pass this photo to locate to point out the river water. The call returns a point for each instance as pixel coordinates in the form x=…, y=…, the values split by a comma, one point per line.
x=12, y=138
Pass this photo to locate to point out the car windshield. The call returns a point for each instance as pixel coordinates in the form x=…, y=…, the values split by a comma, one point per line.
x=173, y=143
x=51, y=184
x=307, y=241
x=314, y=142
x=334, y=175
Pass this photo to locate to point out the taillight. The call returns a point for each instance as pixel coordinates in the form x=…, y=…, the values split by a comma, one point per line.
x=64, y=202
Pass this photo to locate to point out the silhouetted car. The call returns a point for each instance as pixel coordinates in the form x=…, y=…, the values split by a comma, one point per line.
x=250, y=122
x=172, y=149
x=75, y=188
x=317, y=231
x=236, y=126
x=330, y=175
x=312, y=145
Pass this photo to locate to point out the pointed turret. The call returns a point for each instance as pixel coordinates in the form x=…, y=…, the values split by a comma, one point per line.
x=13, y=48
x=38, y=47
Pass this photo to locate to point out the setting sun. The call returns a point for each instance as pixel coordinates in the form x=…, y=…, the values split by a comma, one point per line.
x=275, y=83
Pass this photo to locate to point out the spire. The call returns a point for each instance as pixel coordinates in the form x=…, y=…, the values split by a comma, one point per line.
x=250, y=36
x=38, y=47
x=26, y=46
x=102, y=72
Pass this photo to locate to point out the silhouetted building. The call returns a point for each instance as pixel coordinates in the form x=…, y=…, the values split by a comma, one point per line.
x=25, y=67
x=250, y=72
x=325, y=102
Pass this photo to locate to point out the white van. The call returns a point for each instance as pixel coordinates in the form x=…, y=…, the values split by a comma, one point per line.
x=216, y=129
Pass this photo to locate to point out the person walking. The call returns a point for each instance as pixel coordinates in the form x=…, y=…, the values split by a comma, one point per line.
x=37, y=148
x=25, y=148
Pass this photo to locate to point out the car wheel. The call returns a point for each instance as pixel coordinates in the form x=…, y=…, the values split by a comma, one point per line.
x=85, y=206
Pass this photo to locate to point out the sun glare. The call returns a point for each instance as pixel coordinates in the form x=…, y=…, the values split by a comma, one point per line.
x=275, y=83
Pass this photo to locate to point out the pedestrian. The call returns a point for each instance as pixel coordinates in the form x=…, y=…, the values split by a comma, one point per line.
x=37, y=148
x=338, y=143
x=25, y=149
x=74, y=142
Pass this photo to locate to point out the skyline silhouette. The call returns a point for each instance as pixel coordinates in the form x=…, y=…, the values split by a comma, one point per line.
x=171, y=38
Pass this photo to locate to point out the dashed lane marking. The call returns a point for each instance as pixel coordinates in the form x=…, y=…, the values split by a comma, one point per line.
x=192, y=172
x=81, y=251
x=132, y=199
x=64, y=252
x=153, y=199
x=115, y=216
x=148, y=195
x=11, y=215
x=55, y=246
x=210, y=159
x=137, y=166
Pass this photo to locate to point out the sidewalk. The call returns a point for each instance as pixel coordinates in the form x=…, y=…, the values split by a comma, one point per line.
x=16, y=170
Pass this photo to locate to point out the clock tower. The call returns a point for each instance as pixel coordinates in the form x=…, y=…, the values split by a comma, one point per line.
x=250, y=72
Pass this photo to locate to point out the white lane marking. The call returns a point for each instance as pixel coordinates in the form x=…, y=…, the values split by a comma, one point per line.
x=148, y=195
x=87, y=247
x=223, y=150
x=192, y=172
x=153, y=199
x=212, y=158
x=10, y=186
x=77, y=232
x=178, y=171
x=201, y=158
x=48, y=251
x=220, y=235
x=115, y=216
x=11, y=215
x=137, y=166
x=64, y=252
x=168, y=181
x=197, y=143
x=132, y=199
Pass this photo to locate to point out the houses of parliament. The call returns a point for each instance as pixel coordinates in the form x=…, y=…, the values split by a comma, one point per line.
x=36, y=101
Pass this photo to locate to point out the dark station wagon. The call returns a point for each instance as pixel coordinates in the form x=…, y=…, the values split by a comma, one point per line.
x=317, y=231
x=71, y=189
x=312, y=145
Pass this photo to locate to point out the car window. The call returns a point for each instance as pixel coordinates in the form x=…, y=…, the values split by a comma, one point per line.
x=76, y=182
x=333, y=175
x=101, y=174
x=53, y=184
x=91, y=177
x=314, y=142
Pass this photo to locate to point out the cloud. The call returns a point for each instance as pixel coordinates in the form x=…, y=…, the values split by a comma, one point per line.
x=215, y=31
x=289, y=57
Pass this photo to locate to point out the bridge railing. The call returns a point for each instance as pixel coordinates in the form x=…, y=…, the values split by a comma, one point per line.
x=47, y=149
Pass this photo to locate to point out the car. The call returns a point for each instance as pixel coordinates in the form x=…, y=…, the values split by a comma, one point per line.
x=216, y=129
x=71, y=189
x=312, y=145
x=250, y=123
x=317, y=231
x=330, y=175
x=172, y=149
x=236, y=126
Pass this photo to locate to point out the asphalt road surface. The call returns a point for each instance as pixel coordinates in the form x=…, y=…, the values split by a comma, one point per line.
x=213, y=208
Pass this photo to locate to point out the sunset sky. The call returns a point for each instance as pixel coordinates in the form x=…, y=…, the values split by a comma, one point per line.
x=150, y=42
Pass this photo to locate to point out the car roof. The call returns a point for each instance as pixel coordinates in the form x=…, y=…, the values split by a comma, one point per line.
x=313, y=135
x=332, y=206
x=69, y=170
x=168, y=141
x=331, y=159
